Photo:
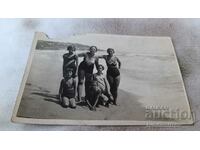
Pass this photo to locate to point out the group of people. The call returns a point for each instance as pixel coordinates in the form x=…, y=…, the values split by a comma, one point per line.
x=98, y=88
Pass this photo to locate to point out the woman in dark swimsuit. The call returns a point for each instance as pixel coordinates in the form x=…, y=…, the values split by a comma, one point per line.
x=113, y=73
x=85, y=68
x=70, y=60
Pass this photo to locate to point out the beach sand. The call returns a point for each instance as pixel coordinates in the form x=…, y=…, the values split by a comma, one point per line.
x=150, y=78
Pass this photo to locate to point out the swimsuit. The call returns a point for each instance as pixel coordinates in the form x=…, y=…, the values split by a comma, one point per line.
x=114, y=72
x=87, y=64
x=100, y=81
x=87, y=68
x=112, y=66
x=69, y=62
x=68, y=88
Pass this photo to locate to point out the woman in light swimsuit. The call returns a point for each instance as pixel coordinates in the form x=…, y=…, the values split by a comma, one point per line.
x=113, y=73
x=85, y=69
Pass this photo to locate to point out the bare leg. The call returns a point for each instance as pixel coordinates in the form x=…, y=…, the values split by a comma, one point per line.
x=96, y=97
x=65, y=102
x=81, y=77
x=110, y=81
x=72, y=102
x=115, y=89
x=105, y=97
x=109, y=98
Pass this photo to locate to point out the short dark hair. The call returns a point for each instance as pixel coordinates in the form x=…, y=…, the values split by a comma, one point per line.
x=71, y=47
x=100, y=65
x=110, y=49
x=91, y=47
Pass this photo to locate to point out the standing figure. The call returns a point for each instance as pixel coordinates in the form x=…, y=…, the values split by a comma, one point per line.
x=113, y=73
x=85, y=69
x=70, y=60
x=67, y=91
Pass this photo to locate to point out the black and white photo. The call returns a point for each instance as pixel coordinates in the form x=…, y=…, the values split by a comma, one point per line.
x=102, y=79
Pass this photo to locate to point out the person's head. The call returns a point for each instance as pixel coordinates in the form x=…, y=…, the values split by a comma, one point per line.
x=100, y=68
x=93, y=50
x=110, y=51
x=69, y=72
x=71, y=49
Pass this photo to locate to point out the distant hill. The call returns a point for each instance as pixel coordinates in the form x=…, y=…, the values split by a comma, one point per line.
x=50, y=45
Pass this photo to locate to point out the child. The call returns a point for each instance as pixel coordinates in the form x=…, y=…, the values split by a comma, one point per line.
x=102, y=85
x=67, y=91
x=70, y=60
x=92, y=92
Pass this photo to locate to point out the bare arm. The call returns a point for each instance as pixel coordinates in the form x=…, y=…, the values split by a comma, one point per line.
x=106, y=86
x=76, y=65
x=119, y=62
x=75, y=87
x=97, y=62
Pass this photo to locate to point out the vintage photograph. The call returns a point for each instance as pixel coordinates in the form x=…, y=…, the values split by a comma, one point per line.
x=102, y=79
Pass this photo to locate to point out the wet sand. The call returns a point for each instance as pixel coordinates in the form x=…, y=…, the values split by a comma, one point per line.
x=137, y=90
x=149, y=78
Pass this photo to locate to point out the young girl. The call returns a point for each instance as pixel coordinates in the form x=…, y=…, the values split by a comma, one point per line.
x=70, y=60
x=86, y=68
x=102, y=85
x=67, y=91
x=113, y=73
x=98, y=89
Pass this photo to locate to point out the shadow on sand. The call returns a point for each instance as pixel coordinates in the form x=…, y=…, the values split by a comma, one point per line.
x=129, y=107
x=48, y=97
x=126, y=101
x=55, y=98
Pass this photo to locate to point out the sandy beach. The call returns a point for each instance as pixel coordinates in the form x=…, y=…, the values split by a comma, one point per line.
x=150, y=77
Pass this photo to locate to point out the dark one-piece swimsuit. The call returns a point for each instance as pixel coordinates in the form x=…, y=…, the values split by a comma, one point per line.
x=72, y=65
x=112, y=68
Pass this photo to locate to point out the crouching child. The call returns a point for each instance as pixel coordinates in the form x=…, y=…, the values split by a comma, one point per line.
x=92, y=92
x=105, y=96
x=67, y=90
